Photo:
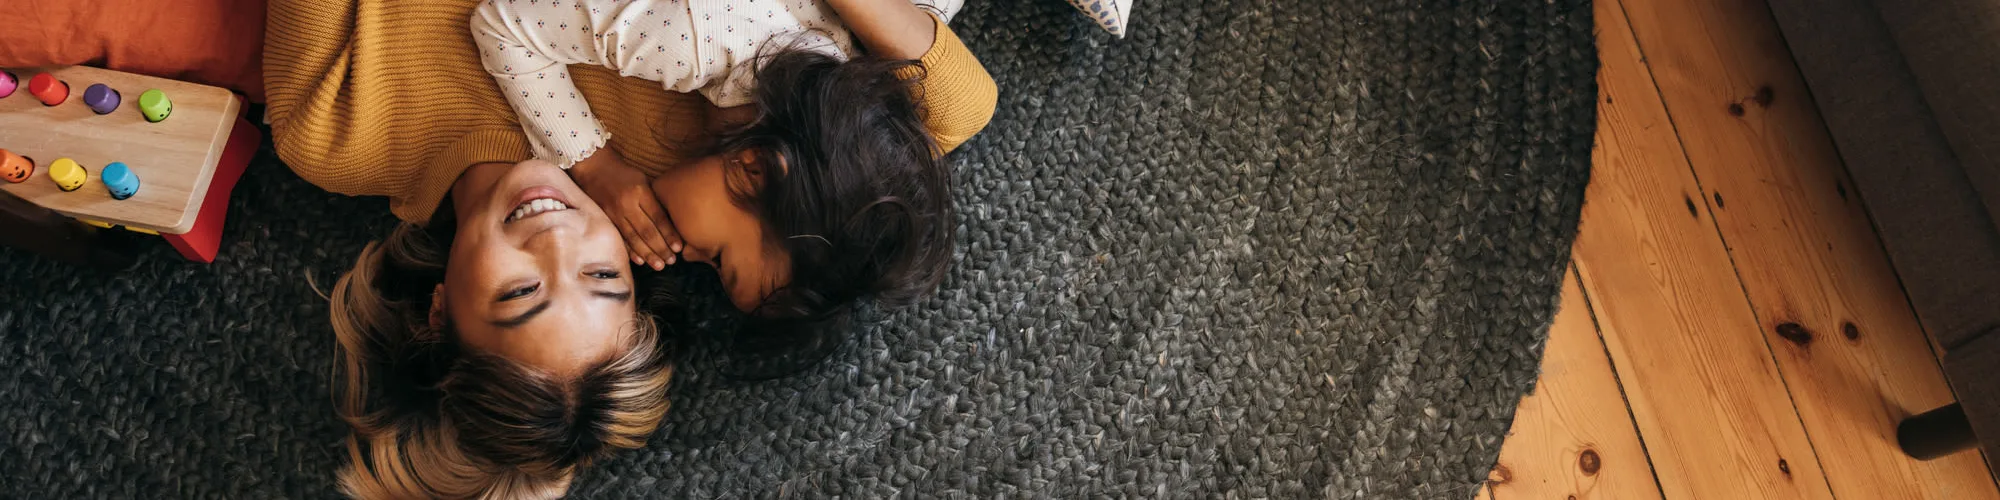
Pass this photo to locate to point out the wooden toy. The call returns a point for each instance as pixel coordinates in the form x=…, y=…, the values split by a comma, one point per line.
x=119, y=179
x=48, y=89
x=101, y=98
x=155, y=106
x=188, y=164
x=15, y=168
x=68, y=175
x=7, y=83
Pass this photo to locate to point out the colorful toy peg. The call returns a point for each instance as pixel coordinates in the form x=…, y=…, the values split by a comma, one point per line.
x=68, y=175
x=154, y=104
x=48, y=89
x=101, y=98
x=15, y=168
x=120, y=180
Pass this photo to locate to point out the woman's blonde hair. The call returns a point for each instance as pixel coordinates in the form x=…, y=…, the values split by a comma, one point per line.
x=446, y=421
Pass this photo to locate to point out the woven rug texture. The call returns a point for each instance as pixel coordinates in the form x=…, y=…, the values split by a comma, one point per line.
x=1255, y=249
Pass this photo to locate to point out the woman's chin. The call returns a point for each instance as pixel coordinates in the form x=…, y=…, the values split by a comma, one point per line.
x=533, y=173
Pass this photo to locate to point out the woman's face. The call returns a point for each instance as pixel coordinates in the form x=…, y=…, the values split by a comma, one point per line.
x=716, y=231
x=537, y=272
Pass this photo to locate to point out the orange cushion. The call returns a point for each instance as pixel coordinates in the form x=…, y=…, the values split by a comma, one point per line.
x=215, y=42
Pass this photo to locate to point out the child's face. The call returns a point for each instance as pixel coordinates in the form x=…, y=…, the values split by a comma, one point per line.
x=539, y=283
x=716, y=231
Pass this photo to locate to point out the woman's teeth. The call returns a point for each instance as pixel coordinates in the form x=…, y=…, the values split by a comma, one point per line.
x=536, y=207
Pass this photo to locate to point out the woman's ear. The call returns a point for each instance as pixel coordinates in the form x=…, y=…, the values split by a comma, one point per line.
x=437, y=307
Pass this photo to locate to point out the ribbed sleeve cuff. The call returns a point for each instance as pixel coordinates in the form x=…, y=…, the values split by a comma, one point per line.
x=957, y=92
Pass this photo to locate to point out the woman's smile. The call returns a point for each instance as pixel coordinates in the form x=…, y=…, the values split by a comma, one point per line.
x=538, y=200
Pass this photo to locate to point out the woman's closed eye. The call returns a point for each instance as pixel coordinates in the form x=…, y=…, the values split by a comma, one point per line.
x=519, y=292
x=608, y=277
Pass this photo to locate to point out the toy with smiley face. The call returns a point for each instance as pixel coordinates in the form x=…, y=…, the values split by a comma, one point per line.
x=68, y=175
x=15, y=168
x=120, y=180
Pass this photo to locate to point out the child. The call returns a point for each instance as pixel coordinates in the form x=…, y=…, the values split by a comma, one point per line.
x=825, y=186
x=688, y=46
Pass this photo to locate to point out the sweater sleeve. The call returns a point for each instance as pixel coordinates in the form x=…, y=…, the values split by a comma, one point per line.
x=373, y=97
x=957, y=93
x=536, y=81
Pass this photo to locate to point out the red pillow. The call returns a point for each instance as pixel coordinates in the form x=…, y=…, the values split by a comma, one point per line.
x=215, y=42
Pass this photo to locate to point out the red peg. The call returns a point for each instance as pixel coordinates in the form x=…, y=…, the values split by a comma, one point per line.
x=48, y=89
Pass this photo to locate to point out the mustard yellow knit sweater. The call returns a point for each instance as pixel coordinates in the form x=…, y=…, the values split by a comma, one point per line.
x=385, y=97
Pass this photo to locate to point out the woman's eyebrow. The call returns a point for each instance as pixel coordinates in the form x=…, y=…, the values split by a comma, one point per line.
x=523, y=319
x=625, y=296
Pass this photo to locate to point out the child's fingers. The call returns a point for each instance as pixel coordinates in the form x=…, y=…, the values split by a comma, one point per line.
x=674, y=241
x=634, y=247
x=673, y=234
x=649, y=238
x=641, y=254
x=670, y=238
x=635, y=239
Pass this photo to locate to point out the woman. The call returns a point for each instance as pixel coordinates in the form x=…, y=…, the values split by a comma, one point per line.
x=502, y=345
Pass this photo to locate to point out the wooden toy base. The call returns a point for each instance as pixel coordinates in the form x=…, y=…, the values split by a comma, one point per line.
x=186, y=165
x=201, y=243
x=34, y=228
x=175, y=160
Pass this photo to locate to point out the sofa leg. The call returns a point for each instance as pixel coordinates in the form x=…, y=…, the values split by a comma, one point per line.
x=1936, y=433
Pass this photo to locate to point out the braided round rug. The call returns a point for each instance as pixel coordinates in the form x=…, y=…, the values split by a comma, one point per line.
x=1298, y=248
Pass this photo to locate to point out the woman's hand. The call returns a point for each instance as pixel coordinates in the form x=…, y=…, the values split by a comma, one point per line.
x=625, y=196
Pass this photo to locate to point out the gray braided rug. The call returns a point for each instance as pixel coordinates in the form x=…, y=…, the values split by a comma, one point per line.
x=1302, y=248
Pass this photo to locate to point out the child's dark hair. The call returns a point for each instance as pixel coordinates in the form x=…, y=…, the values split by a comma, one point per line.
x=854, y=188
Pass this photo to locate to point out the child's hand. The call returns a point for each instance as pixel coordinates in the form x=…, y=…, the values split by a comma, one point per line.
x=625, y=196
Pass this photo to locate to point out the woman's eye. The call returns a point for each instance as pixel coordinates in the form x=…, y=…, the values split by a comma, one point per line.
x=521, y=292
x=606, y=274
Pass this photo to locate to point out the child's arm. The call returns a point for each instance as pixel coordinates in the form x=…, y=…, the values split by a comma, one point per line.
x=536, y=81
x=894, y=29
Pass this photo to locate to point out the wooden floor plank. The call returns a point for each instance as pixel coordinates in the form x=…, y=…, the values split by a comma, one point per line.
x=1851, y=351
x=1708, y=400
x=1573, y=437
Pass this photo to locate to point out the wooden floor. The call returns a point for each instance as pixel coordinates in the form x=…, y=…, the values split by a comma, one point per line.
x=1732, y=329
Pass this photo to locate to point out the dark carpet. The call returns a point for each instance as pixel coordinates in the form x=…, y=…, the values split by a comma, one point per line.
x=1302, y=248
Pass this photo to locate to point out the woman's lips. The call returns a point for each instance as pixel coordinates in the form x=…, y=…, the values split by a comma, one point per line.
x=537, y=201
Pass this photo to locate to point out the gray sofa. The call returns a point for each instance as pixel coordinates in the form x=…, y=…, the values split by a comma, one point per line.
x=1911, y=94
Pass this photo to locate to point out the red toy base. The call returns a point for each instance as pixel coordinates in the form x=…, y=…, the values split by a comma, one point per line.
x=205, y=240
